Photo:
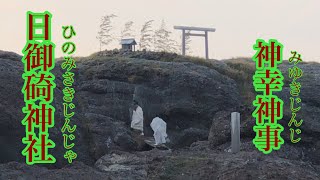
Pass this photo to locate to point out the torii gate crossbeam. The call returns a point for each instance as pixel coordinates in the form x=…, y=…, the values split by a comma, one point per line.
x=205, y=30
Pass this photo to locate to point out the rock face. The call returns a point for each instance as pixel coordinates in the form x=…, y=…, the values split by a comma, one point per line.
x=77, y=170
x=310, y=108
x=220, y=129
x=310, y=105
x=195, y=98
x=310, y=111
x=123, y=165
x=11, y=130
x=186, y=94
x=186, y=164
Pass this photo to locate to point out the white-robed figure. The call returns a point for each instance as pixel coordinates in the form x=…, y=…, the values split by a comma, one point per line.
x=137, y=117
x=159, y=128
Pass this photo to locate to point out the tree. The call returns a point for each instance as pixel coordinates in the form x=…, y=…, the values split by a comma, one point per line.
x=163, y=41
x=127, y=31
x=146, y=35
x=104, y=35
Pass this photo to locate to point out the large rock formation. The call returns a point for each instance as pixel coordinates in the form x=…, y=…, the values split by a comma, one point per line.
x=187, y=94
x=310, y=106
x=187, y=164
x=196, y=98
x=11, y=130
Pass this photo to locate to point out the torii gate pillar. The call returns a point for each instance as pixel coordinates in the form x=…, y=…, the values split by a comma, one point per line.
x=205, y=30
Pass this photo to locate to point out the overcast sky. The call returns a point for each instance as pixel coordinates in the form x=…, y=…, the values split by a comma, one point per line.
x=238, y=23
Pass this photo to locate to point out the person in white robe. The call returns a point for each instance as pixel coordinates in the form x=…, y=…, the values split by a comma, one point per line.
x=159, y=128
x=137, y=118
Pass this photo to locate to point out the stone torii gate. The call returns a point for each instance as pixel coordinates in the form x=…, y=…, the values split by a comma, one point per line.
x=205, y=30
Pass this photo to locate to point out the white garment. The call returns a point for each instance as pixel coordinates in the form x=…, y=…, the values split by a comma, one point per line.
x=159, y=128
x=137, y=119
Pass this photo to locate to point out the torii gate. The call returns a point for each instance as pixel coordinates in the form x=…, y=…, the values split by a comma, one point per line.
x=206, y=30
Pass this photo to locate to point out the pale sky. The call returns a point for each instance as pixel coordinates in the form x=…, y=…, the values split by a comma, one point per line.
x=238, y=23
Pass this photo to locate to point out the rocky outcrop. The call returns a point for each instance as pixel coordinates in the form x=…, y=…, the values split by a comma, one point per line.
x=181, y=164
x=78, y=170
x=123, y=165
x=220, y=128
x=186, y=94
x=195, y=98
